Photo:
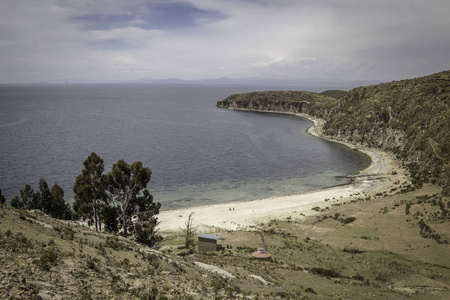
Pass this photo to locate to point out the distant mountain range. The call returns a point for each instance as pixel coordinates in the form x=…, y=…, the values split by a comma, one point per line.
x=228, y=80
x=256, y=80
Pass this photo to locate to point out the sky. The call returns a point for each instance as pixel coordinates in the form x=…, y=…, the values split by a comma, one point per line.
x=125, y=40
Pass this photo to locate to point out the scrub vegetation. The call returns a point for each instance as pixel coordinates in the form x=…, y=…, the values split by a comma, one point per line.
x=383, y=253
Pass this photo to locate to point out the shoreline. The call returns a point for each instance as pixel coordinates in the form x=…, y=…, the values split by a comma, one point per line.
x=377, y=177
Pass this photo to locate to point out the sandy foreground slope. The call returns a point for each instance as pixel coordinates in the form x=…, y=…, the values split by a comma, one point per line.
x=376, y=178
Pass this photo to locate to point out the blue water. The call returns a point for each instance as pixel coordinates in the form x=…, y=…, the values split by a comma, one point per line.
x=198, y=154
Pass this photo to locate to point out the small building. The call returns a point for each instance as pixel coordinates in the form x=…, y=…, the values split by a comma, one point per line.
x=207, y=242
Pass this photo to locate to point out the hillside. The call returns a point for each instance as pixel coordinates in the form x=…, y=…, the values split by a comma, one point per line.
x=283, y=101
x=348, y=250
x=409, y=118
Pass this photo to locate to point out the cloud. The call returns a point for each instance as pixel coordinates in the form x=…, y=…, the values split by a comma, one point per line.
x=104, y=40
x=265, y=64
x=149, y=15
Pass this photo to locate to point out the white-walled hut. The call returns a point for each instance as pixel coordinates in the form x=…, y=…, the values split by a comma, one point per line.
x=207, y=242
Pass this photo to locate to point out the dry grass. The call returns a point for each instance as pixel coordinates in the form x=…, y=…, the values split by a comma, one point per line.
x=381, y=254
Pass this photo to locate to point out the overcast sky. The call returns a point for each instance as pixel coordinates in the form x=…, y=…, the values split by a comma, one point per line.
x=109, y=40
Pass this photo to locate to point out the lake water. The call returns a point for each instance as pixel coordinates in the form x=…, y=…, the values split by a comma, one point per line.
x=199, y=154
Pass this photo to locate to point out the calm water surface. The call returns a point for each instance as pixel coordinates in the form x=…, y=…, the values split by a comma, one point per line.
x=198, y=154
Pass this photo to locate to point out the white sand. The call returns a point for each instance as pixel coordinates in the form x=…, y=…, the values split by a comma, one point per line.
x=249, y=214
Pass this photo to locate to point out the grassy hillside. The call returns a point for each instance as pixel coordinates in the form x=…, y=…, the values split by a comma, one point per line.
x=411, y=118
x=349, y=250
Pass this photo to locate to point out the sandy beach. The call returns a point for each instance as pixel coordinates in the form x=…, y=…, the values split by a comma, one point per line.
x=376, y=178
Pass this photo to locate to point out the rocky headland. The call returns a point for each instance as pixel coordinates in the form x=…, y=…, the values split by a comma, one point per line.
x=409, y=118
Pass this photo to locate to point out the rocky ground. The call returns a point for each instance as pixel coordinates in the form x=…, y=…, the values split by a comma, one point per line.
x=393, y=245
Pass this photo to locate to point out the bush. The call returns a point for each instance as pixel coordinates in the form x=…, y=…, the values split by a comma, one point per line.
x=348, y=220
x=68, y=234
x=246, y=249
x=325, y=272
x=408, y=206
x=353, y=250
x=48, y=259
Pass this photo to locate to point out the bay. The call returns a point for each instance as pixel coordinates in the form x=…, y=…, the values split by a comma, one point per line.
x=199, y=154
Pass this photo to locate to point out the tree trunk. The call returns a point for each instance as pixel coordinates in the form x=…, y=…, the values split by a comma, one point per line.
x=95, y=217
x=99, y=221
x=124, y=214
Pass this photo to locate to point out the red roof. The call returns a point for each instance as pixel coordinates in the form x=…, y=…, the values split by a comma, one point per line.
x=259, y=254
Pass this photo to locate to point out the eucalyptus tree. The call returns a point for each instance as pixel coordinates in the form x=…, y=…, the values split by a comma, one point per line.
x=145, y=224
x=59, y=208
x=26, y=199
x=51, y=201
x=17, y=203
x=126, y=189
x=27, y=195
x=89, y=189
x=44, y=197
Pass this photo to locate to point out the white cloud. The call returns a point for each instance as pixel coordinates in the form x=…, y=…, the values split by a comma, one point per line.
x=264, y=64
x=45, y=40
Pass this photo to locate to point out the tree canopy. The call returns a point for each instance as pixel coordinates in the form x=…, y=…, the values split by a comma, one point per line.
x=51, y=201
x=89, y=189
x=125, y=184
x=119, y=200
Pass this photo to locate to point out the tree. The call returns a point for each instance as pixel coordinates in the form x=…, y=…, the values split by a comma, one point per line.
x=35, y=201
x=145, y=226
x=2, y=197
x=189, y=232
x=51, y=201
x=44, y=197
x=110, y=217
x=89, y=189
x=16, y=202
x=27, y=196
x=125, y=183
x=145, y=229
x=58, y=207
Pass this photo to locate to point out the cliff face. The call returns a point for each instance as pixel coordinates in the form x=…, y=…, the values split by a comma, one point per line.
x=314, y=104
x=409, y=118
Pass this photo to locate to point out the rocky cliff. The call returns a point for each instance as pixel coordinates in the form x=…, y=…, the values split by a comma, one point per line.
x=314, y=104
x=409, y=118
